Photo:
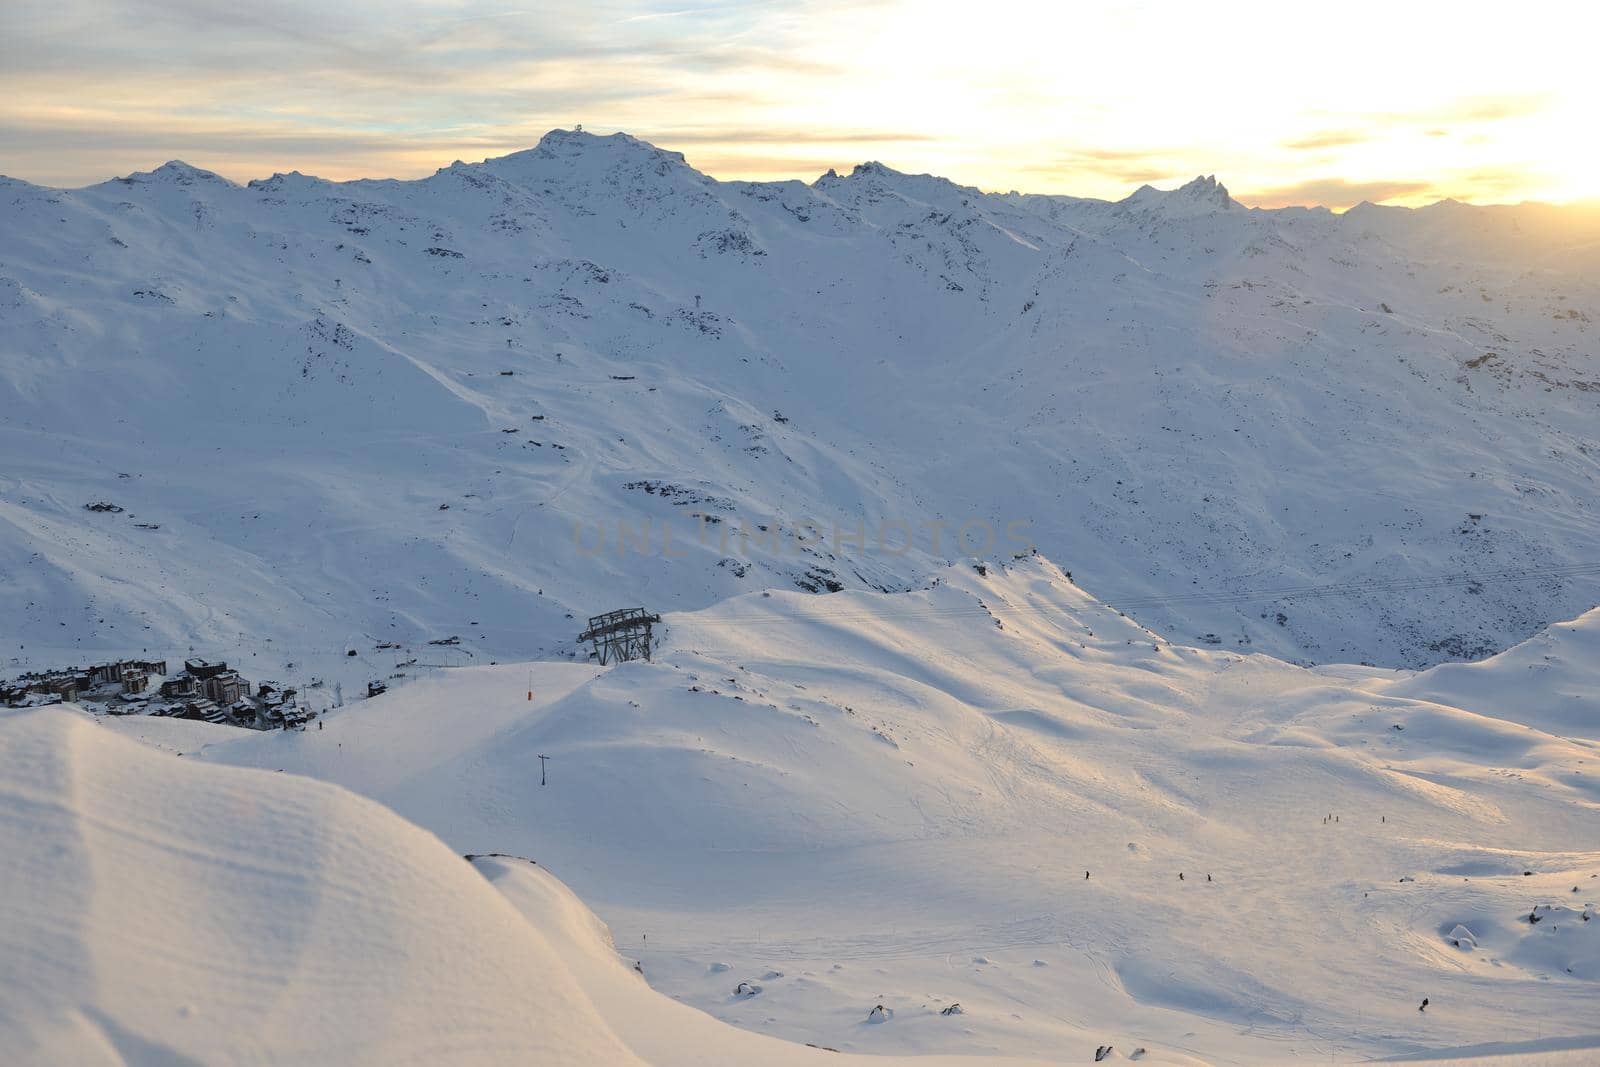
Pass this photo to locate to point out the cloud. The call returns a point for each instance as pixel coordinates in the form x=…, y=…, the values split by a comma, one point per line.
x=668, y=136
x=1497, y=182
x=1132, y=173
x=1332, y=192
x=1328, y=139
x=1130, y=166
x=1110, y=155
x=1482, y=109
x=1437, y=121
x=771, y=168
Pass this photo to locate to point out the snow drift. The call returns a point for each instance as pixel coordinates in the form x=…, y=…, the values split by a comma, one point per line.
x=160, y=910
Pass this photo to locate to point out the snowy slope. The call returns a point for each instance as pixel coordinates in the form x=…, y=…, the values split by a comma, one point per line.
x=1548, y=681
x=161, y=911
x=895, y=799
x=658, y=1029
x=1272, y=428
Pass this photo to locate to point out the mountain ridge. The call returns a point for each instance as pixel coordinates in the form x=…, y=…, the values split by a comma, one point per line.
x=1181, y=406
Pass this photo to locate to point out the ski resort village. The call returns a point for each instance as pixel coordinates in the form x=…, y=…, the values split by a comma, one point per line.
x=202, y=690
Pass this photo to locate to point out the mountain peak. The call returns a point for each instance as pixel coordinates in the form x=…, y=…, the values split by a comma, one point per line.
x=1201, y=195
x=871, y=177
x=1206, y=187
x=281, y=182
x=174, y=172
x=870, y=169
x=873, y=169
x=578, y=143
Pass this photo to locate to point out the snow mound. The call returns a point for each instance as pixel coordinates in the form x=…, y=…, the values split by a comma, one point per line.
x=158, y=910
x=1550, y=681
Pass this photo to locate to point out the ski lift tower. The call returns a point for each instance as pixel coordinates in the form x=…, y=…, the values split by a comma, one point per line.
x=620, y=635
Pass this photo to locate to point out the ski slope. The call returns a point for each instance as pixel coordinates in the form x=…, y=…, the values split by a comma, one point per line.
x=872, y=799
x=160, y=911
x=488, y=403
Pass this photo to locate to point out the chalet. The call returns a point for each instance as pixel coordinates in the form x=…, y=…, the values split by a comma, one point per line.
x=33, y=699
x=129, y=704
x=285, y=716
x=199, y=709
x=297, y=716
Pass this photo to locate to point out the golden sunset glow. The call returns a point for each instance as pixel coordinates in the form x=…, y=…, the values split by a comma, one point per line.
x=1405, y=103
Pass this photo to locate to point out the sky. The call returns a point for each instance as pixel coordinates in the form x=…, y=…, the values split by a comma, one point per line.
x=1405, y=102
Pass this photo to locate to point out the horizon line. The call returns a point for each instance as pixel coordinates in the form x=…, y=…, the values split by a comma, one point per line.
x=578, y=130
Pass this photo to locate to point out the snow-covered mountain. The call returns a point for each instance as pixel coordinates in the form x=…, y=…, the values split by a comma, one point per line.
x=1047, y=775
x=341, y=414
x=1019, y=821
